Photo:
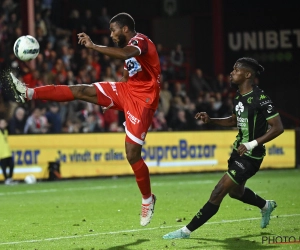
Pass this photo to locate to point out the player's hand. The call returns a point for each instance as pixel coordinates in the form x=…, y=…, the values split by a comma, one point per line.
x=247, y=147
x=203, y=116
x=84, y=39
x=242, y=149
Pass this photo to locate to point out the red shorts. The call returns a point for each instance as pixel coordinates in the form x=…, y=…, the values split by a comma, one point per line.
x=138, y=119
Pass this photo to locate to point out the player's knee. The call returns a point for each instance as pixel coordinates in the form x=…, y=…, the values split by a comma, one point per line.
x=132, y=157
x=219, y=192
x=82, y=91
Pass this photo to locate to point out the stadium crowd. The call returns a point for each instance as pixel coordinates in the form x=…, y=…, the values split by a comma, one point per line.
x=183, y=93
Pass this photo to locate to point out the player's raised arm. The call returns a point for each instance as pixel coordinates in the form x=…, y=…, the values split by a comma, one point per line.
x=119, y=53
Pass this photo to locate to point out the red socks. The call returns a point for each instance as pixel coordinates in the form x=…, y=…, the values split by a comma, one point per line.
x=58, y=93
x=142, y=177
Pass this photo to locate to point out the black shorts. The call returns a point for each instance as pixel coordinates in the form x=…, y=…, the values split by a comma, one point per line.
x=241, y=168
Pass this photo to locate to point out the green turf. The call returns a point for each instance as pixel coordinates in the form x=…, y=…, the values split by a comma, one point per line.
x=104, y=214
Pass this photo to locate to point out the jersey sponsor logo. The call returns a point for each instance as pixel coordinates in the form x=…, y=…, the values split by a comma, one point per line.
x=241, y=122
x=262, y=97
x=270, y=108
x=239, y=164
x=239, y=108
x=133, y=66
x=132, y=119
x=264, y=102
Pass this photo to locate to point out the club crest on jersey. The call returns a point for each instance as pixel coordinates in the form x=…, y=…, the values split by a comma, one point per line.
x=239, y=108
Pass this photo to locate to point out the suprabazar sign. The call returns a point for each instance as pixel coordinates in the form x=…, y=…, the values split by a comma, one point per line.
x=83, y=155
x=185, y=151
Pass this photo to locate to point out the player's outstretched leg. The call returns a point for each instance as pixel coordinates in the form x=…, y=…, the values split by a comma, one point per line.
x=57, y=93
x=266, y=213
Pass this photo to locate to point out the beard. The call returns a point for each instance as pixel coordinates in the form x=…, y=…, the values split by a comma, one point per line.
x=122, y=41
x=233, y=85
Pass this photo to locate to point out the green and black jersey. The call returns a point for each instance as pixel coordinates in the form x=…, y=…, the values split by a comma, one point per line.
x=252, y=111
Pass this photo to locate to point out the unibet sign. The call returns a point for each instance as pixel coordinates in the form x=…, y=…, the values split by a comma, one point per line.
x=264, y=40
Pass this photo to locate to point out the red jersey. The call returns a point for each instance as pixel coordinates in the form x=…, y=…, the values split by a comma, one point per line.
x=144, y=72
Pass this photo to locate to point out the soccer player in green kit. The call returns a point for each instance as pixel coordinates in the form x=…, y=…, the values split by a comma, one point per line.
x=258, y=122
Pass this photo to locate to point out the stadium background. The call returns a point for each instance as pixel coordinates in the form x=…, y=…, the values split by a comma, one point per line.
x=209, y=32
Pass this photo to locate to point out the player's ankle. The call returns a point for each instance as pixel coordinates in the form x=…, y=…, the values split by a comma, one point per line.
x=186, y=230
x=147, y=200
x=29, y=93
x=266, y=206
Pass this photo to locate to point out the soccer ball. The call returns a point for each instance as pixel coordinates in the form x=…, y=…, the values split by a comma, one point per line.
x=26, y=48
x=30, y=179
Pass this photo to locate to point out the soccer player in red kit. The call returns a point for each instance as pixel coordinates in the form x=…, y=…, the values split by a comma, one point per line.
x=137, y=94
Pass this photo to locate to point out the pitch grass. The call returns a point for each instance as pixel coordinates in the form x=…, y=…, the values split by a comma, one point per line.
x=104, y=214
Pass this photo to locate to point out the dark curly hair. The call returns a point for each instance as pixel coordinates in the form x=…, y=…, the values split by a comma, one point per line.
x=124, y=19
x=251, y=63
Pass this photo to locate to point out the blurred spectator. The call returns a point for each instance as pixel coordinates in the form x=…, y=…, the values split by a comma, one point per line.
x=226, y=109
x=91, y=65
x=90, y=125
x=180, y=123
x=164, y=60
x=178, y=90
x=46, y=4
x=51, y=29
x=72, y=125
x=159, y=122
x=99, y=117
x=114, y=127
x=176, y=63
x=54, y=118
x=108, y=75
x=32, y=79
x=70, y=78
x=165, y=98
x=176, y=104
x=59, y=72
x=219, y=85
x=88, y=24
x=6, y=158
x=198, y=85
x=36, y=123
x=17, y=123
x=110, y=116
x=74, y=22
x=103, y=20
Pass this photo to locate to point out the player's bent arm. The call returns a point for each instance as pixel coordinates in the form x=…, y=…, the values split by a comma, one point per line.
x=119, y=53
x=229, y=121
x=275, y=130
